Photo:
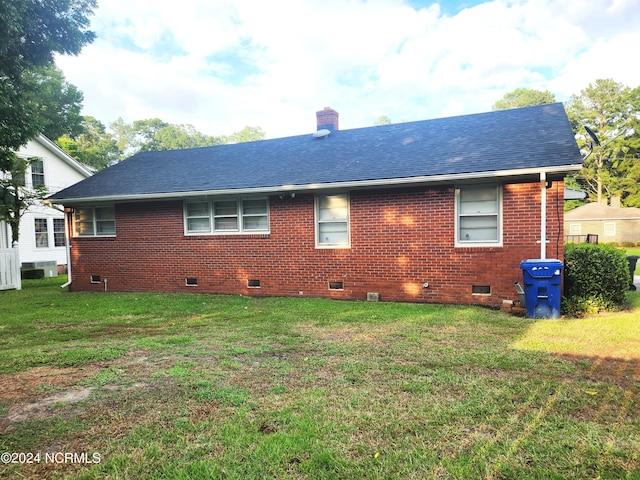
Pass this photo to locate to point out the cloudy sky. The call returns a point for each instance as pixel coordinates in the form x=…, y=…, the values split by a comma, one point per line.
x=223, y=64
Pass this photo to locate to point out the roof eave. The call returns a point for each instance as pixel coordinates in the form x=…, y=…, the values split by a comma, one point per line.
x=518, y=175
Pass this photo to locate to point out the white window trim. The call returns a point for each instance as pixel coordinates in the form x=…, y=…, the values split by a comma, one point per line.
x=575, y=229
x=609, y=229
x=53, y=233
x=46, y=233
x=317, y=222
x=43, y=174
x=485, y=244
x=93, y=217
x=240, y=217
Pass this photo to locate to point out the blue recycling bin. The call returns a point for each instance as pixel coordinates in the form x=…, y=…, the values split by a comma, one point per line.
x=542, y=281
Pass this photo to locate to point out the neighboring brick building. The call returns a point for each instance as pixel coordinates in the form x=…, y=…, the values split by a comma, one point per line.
x=432, y=211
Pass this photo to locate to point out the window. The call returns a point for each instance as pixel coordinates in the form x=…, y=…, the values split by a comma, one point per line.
x=254, y=215
x=575, y=229
x=42, y=233
x=227, y=216
x=37, y=173
x=332, y=221
x=198, y=217
x=94, y=221
x=58, y=233
x=478, y=216
x=609, y=229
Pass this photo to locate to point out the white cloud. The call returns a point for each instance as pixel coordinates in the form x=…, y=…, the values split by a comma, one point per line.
x=224, y=64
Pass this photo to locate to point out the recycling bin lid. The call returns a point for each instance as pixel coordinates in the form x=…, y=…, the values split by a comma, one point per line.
x=541, y=262
x=542, y=267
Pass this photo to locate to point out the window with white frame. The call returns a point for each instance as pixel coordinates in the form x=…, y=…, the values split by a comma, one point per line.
x=58, y=233
x=37, y=173
x=610, y=229
x=227, y=216
x=332, y=221
x=94, y=221
x=575, y=229
x=42, y=233
x=478, y=215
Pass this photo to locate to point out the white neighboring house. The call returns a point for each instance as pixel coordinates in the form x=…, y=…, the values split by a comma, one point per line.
x=42, y=235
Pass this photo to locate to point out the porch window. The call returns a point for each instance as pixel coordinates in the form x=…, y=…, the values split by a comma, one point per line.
x=94, y=221
x=478, y=216
x=332, y=221
x=227, y=216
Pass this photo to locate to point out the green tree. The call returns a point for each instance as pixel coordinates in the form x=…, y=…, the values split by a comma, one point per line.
x=382, y=120
x=247, y=134
x=31, y=32
x=122, y=134
x=94, y=146
x=611, y=110
x=58, y=102
x=15, y=197
x=524, y=97
x=177, y=137
x=155, y=134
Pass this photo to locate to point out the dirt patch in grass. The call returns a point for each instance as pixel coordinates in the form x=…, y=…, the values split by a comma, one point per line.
x=38, y=392
x=31, y=383
x=41, y=407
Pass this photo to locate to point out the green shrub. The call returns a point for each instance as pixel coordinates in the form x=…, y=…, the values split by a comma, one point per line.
x=578, y=306
x=612, y=244
x=596, y=276
x=31, y=273
x=628, y=244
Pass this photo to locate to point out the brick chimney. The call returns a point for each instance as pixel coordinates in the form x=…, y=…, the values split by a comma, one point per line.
x=327, y=118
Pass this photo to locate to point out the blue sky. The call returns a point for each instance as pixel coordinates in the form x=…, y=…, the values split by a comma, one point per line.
x=223, y=64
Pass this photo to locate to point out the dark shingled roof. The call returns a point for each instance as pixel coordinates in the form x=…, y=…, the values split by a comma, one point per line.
x=519, y=141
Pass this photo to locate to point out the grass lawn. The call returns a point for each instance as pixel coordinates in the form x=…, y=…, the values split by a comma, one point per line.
x=168, y=386
x=634, y=251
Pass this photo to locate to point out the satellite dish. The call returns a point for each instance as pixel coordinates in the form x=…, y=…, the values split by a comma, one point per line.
x=593, y=135
x=324, y=133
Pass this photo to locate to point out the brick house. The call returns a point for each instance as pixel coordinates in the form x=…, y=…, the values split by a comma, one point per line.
x=432, y=211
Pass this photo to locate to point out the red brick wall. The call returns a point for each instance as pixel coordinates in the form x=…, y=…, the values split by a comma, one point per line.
x=399, y=241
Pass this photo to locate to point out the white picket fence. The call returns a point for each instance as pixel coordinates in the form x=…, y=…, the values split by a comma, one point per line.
x=10, y=269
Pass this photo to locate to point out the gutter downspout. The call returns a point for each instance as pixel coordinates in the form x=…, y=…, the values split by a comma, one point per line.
x=543, y=215
x=67, y=239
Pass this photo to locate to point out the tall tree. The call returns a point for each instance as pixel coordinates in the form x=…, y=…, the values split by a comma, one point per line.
x=247, y=134
x=94, y=146
x=31, y=31
x=611, y=110
x=524, y=97
x=58, y=102
x=176, y=137
x=155, y=134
